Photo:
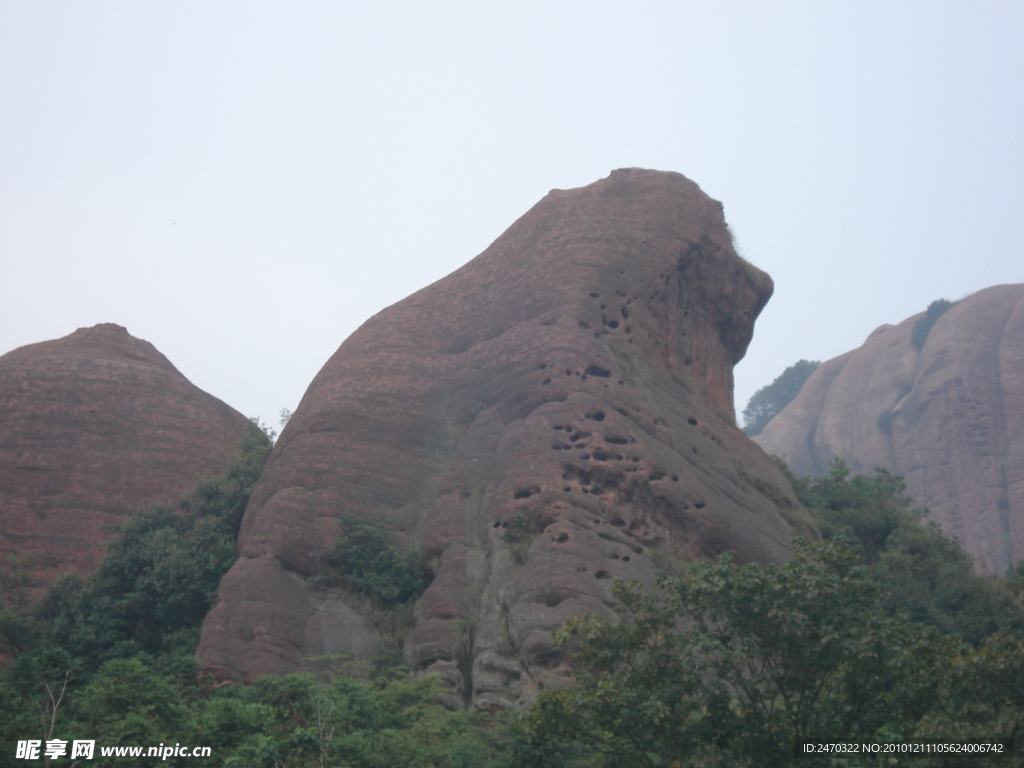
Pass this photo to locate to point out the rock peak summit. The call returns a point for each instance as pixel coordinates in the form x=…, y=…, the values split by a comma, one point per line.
x=576, y=379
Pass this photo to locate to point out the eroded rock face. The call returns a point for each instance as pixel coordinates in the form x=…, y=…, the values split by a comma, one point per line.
x=576, y=377
x=94, y=426
x=948, y=417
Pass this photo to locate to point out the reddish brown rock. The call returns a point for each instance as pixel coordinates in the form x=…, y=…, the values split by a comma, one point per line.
x=576, y=375
x=948, y=417
x=92, y=427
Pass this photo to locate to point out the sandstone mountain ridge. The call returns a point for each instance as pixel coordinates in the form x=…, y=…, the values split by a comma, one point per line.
x=948, y=416
x=575, y=378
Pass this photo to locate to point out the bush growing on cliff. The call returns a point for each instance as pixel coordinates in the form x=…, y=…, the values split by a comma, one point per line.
x=923, y=326
x=365, y=563
x=772, y=398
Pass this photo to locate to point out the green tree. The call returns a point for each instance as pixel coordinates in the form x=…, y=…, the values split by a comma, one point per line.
x=769, y=400
x=728, y=664
x=920, y=569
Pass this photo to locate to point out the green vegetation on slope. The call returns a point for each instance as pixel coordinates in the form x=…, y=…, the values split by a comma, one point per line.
x=880, y=631
x=770, y=399
x=362, y=560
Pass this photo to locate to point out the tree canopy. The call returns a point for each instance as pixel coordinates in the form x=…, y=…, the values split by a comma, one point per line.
x=770, y=399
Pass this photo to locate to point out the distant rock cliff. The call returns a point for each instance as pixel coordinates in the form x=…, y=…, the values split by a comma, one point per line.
x=576, y=376
x=92, y=427
x=949, y=417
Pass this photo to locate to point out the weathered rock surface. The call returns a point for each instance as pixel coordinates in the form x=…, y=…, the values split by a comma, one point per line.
x=576, y=376
x=94, y=426
x=948, y=417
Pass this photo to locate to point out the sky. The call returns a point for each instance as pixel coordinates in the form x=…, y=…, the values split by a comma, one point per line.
x=243, y=184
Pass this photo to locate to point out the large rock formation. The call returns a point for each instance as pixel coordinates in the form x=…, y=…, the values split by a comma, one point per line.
x=948, y=417
x=574, y=379
x=92, y=427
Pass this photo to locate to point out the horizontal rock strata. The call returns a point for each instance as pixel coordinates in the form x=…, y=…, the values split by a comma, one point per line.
x=553, y=415
x=94, y=426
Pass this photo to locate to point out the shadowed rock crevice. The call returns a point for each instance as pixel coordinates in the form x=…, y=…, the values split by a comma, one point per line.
x=531, y=421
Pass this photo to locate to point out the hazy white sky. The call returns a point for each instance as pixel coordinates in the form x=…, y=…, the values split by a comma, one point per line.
x=244, y=183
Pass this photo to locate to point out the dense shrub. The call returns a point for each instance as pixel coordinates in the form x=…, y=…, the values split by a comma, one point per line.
x=365, y=563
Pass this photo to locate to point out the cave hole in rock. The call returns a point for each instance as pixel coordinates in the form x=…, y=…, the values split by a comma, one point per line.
x=550, y=322
x=618, y=522
x=699, y=505
x=584, y=324
x=558, y=427
x=625, y=313
x=687, y=361
x=580, y=435
x=625, y=559
x=595, y=416
x=562, y=537
x=552, y=599
x=612, y=323
x=567, y=489
x=595, y=295
x=616, y=439
x=496, y=524
x=542, y=366
x=585, y=456
x=545, y=382
x=525, y=493
x=601, y=456
x=568, y=372
x=629, y=329
x=620, y=293
x=657, y=475
x=596, y=370
x=675, y=478
x=602, y=575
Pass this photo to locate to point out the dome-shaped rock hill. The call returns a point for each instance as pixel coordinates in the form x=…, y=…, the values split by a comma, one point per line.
x=576, y=375
x=93, y=427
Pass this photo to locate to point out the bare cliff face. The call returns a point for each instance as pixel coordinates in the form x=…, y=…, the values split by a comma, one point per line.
x=948, y=417
x=577, y=375
x=94, y=426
